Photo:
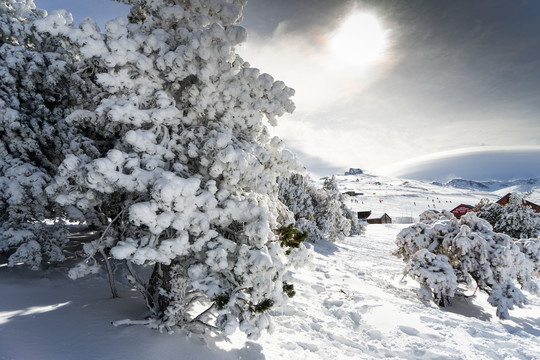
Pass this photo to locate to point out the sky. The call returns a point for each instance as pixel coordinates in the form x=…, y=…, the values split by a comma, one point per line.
x=381, y=82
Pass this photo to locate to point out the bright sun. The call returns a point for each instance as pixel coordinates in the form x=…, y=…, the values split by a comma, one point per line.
x=359, y=40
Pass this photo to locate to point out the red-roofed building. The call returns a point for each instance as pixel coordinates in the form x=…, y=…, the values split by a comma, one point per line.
x=461, y=210
x=504, y=200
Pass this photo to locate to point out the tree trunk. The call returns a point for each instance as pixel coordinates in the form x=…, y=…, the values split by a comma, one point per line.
x=160, y=282
x=167, y=286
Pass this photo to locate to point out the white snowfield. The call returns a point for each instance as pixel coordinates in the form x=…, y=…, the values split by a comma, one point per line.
x=351, y=303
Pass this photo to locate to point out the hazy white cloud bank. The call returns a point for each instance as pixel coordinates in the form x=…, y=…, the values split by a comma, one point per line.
x=480, y=163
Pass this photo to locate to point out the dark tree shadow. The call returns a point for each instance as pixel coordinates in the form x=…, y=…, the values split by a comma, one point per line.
x=465, y=306
x=325, y=247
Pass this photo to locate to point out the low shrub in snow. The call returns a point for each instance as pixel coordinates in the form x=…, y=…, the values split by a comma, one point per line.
x=443, y=252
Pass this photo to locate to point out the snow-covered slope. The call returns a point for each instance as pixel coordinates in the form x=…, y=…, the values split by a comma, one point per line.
x=351, y=303
x=401, y=198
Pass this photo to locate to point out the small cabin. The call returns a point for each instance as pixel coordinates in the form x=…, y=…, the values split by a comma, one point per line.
x=461, y=210
x=379, y=219
x=506, y=198
x=363, y=215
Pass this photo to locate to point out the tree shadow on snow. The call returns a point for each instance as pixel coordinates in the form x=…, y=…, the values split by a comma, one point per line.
x=466, y=307
x=252, y=351
x=51, y=316
x=528, y=325
x=324, y=247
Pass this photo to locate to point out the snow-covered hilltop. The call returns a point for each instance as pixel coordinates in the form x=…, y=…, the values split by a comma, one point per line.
x=498, y=186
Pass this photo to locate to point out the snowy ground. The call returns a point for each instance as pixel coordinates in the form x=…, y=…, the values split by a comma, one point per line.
x=351, y=303
x=354, y=304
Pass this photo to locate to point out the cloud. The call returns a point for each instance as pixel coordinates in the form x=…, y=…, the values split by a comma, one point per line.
x=453, y=77
x=305, y=62
x=478, y=163
x=327, y=127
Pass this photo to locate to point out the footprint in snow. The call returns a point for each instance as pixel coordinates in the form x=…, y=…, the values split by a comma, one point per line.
x=374, y=334
x=288, y=345
x=318, y=288
x=306, y=346
x=329, y=303
x=320, y=269
x=409, y=330
x=414, y=332
x=355, y=318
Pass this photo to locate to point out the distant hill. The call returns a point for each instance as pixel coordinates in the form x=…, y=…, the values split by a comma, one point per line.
x=494, y=185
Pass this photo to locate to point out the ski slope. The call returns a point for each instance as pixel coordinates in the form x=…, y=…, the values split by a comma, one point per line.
x=406, y=198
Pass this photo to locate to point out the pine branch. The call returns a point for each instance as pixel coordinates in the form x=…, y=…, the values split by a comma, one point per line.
x=201, y=315
x=107, y=263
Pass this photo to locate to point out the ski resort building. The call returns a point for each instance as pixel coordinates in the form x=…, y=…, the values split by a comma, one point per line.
x=504, y=200
x=379, y=219
x=461, y=210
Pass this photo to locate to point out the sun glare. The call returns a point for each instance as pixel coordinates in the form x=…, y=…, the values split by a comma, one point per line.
x=359, y=40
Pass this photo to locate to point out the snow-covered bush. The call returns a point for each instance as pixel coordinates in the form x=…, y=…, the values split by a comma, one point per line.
x=173, y=163
x=39, y=87
x=531, y=249
x=442, y=252
x=154, y=133
x=321, y=212
x=514, y=219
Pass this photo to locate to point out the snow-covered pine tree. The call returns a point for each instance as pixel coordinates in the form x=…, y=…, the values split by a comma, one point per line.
x=442, y=252
x=489, y=211
x=531, y=249
x=184, y=177
x=321, y=212
x=514, y=219
x=339, y=226
x=39, y=86
x=297, y=194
